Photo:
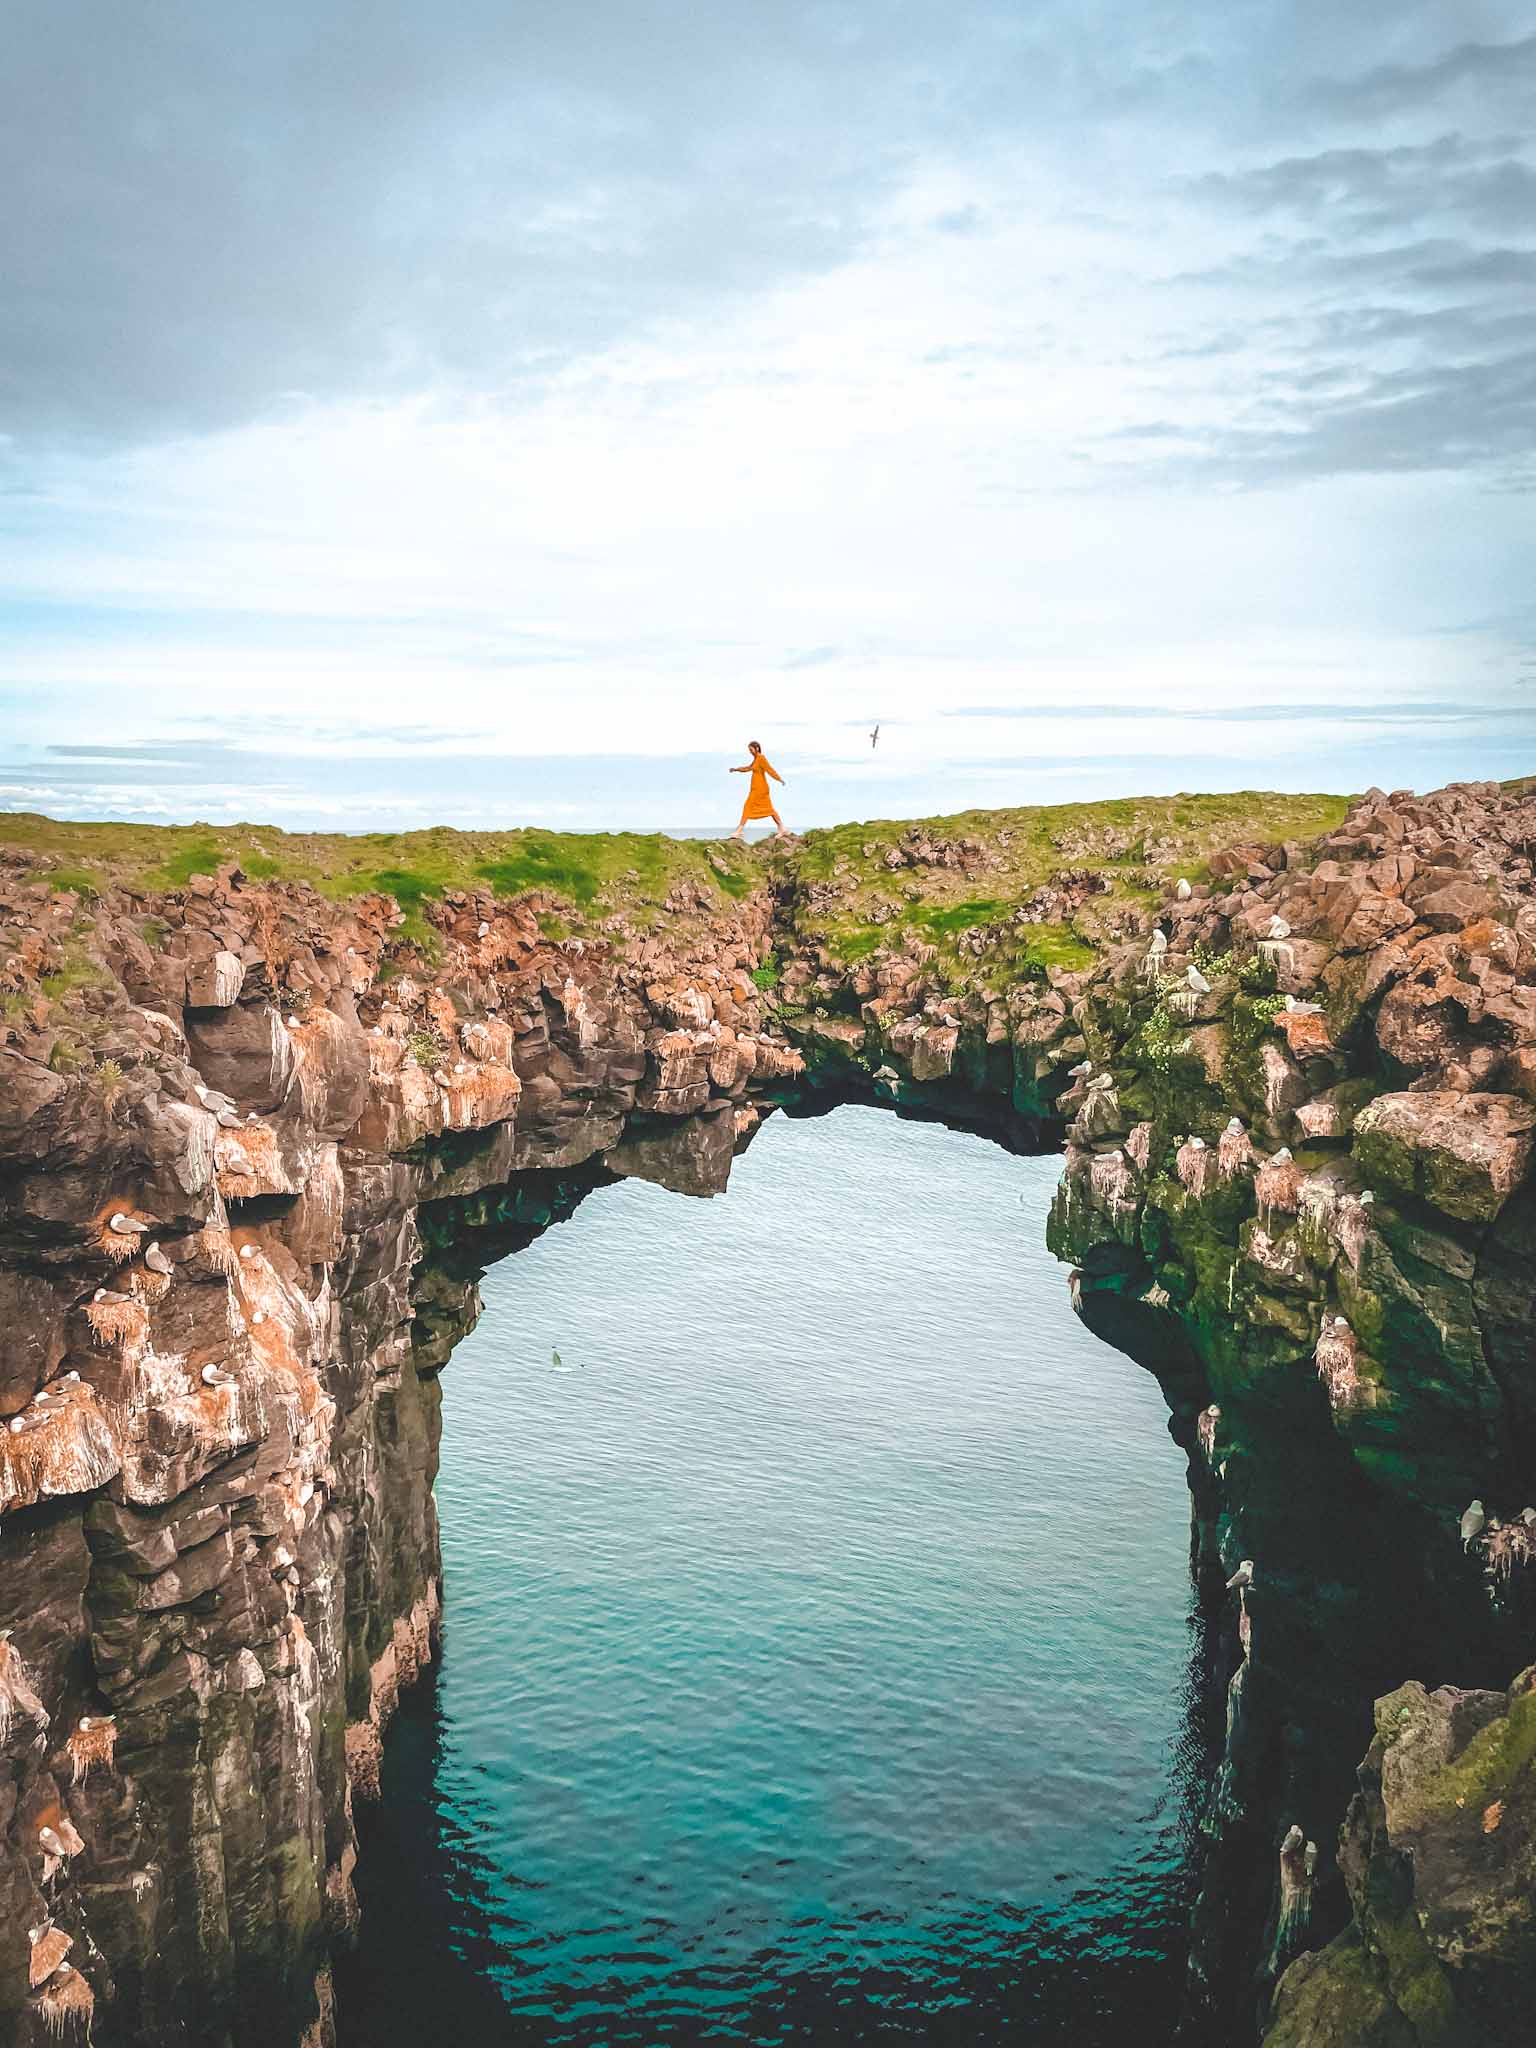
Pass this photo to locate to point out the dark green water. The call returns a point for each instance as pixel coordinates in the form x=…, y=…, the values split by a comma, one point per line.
x=818, y=1639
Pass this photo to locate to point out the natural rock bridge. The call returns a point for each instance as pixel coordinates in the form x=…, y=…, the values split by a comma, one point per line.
x=258, y=1143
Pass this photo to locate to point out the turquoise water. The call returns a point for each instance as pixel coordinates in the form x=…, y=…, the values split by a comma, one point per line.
x=818, y=1636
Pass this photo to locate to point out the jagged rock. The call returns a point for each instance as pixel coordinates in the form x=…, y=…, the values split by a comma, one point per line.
x=245, y=1052
x=1440, y=1856
x=254, y=1578
x=1463, y=1154
x=215, y=982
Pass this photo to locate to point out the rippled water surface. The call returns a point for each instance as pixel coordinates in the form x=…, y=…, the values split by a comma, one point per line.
x=818, y=1635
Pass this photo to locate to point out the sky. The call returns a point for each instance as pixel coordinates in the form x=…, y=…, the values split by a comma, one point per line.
x=457, y=411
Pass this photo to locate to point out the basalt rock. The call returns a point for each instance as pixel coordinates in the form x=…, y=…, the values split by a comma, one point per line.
x=1303, y=1197
x=241, y=1222
x=1297, y=1186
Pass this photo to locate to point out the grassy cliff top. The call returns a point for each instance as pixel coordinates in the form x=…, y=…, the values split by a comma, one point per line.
x=591, y=874
x=957, y=882
x=857, y=884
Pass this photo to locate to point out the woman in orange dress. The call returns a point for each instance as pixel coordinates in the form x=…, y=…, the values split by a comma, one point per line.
x=759, y=803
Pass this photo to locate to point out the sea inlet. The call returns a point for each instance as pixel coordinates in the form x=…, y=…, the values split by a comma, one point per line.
x=819, y=1633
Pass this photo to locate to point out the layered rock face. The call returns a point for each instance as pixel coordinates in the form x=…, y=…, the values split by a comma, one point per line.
x=257, y=1149
x=228, y=1128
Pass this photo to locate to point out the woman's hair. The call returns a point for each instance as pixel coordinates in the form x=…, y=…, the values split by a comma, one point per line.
x=754, y=746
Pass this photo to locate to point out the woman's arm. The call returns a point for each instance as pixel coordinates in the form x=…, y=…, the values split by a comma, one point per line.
x=742, y=771
x=773, y=771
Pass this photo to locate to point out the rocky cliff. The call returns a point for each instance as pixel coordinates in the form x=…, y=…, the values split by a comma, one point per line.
x=1299, y=1100
x=260, y=1136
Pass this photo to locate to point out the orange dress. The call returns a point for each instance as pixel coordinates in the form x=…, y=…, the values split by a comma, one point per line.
x=759, y=803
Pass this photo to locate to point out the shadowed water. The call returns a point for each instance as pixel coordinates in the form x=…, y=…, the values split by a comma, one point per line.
x=818, y=1633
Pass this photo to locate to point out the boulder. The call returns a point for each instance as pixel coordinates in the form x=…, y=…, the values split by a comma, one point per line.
x=1463, y=1153
x=213, y=983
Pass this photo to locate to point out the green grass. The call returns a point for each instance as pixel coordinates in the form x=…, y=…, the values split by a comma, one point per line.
x=590, y=874
x=1152, y=841
x=200, y=857
x=590, y=877
x=542, y=864
x=851, y=946
x=1056, y=945
x=76, y=971
x=943, y=920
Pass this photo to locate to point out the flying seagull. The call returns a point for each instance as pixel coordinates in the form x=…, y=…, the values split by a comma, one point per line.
x=874, y=738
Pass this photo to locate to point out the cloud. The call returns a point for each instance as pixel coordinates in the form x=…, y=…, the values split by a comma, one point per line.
x=1407, y=712
x=1486, y=184
x=1503, y=71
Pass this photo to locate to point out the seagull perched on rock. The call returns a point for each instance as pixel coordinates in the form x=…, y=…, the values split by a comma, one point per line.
x=1081, y=1071
x=228, y=1120
x=50, y=1840
x=212, y=1098
x=157, y=1261
x=217, y=1376
x=1282, y=1157
x=1242, y=1578
x=126, y=1226
x=1235, y=1126
x=1473, y=1523
x=247, y=1251
x=1278, y=928
x=1197, y=981
x=482, y=930
x=1157, y=941
x=1182, y=890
